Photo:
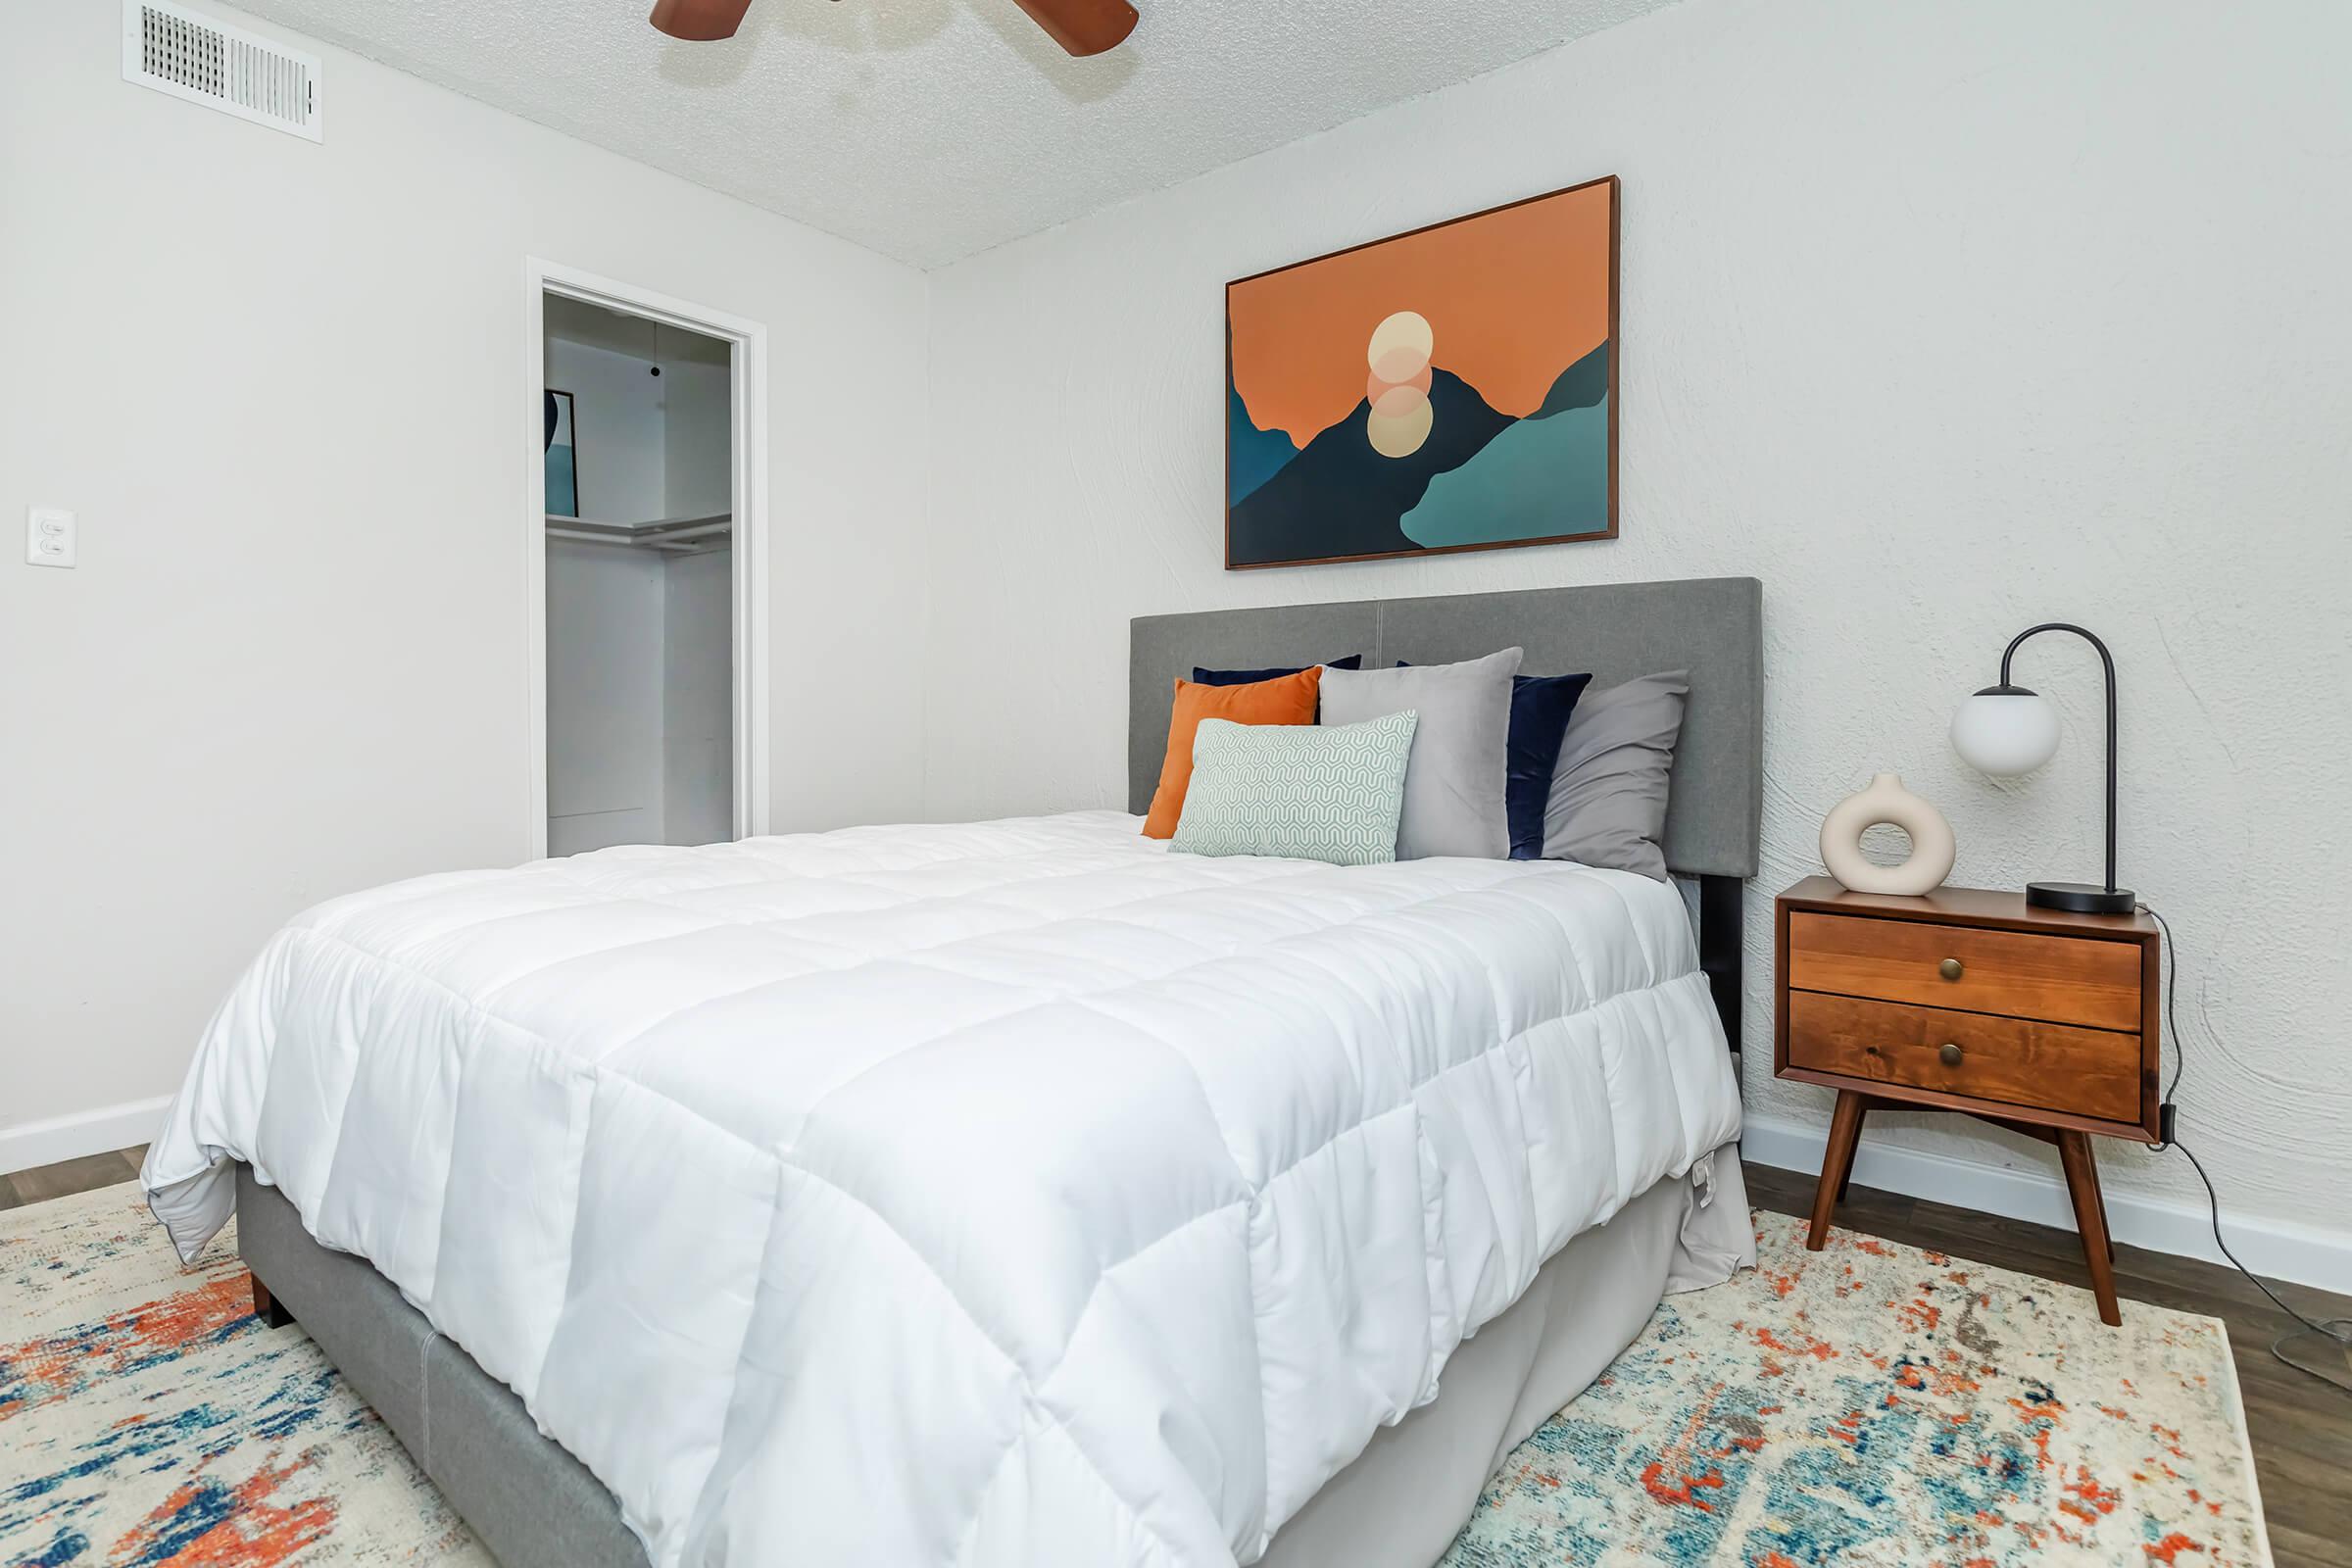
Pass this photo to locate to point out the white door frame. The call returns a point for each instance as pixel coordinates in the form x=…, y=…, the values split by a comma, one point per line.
x=748, y=401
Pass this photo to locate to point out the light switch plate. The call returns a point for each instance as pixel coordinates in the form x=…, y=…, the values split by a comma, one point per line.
x=50, y=536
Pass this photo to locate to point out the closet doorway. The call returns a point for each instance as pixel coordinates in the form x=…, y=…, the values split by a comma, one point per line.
x=648, y=633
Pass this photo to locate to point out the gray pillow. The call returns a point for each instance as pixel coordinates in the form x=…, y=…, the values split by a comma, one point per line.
x=1455, y=781
x=1608, y=795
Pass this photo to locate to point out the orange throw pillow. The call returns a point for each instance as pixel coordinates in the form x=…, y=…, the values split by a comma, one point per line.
x=1285, y=700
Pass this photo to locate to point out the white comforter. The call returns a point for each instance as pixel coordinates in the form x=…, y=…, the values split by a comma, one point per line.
x=1016, y=1192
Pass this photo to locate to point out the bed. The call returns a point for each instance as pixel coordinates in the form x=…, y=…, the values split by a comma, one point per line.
x=1004, y=1192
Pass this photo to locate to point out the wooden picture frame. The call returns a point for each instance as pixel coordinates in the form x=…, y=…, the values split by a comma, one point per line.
x=1419, y=465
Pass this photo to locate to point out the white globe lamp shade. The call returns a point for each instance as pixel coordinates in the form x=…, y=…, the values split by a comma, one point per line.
x=2005, y=731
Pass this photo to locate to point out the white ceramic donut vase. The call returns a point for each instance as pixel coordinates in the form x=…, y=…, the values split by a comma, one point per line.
x=1887, y=801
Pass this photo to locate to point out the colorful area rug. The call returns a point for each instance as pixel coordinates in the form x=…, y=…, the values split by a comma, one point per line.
x=1870, y=1405
x=147, y=1417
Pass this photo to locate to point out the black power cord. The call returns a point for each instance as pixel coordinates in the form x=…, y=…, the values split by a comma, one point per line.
x=2337, y=1332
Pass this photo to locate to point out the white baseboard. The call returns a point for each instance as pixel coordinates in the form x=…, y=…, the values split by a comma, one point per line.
x=86, y=1132
x=2277, y=1248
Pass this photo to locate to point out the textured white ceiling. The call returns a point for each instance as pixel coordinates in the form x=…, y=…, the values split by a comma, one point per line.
x=929, y=130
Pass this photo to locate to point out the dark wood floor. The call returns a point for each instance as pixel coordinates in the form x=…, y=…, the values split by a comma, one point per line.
x=70, y=1176
x=2302, y=1429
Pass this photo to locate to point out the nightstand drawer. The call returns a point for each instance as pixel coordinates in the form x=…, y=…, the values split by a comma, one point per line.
x=2018, y=1061
x=2018, y=974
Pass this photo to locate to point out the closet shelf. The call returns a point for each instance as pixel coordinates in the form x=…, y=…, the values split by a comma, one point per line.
x=677, y=535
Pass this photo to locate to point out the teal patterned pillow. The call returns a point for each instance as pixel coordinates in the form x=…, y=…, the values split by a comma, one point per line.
x=1308, y=792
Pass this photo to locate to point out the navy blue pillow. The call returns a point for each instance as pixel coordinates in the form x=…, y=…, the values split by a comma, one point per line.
x=1541, y=708
x=1246, y=677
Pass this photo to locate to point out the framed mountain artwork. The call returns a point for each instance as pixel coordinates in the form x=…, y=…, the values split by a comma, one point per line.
x=1453, y=388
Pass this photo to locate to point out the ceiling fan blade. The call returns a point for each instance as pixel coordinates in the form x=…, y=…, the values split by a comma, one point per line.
x=1083, y=26
x=700, y=21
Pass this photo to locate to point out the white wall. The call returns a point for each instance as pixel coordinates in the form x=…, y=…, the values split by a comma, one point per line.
x=697, y=715
x=697, y=460
x=607, y=779
x=1940, y=320
x=283, y=385
x=698, y=710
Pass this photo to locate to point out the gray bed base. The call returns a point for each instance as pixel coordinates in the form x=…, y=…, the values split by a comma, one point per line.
x=532, y=1505
x=1397, y=1505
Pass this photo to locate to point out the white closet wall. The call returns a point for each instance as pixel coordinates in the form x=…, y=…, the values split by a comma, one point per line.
x=697, y=467
x=640, y=676
x=697, y=708
x=605, y=614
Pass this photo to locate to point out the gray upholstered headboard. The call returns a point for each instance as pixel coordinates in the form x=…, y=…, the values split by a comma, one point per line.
x=1711, y=627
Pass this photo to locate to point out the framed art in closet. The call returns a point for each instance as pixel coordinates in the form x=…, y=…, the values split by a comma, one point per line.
x=1452, y=388
x=563, y=457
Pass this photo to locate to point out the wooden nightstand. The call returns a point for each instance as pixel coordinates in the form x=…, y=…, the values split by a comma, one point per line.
x=1975, y=1001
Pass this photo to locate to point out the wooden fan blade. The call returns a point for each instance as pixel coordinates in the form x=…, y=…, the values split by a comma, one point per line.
x=700, y=21
x=1083, y=26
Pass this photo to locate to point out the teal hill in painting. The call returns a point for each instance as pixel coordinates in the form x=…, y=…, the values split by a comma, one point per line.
x=1540, y=478
x=1546, y=475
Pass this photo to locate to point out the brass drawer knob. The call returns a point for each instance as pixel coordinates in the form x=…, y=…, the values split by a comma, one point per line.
x=1948, y=1054
x=1949, y=968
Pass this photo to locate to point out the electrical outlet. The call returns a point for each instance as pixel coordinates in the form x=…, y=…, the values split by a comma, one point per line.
x=50, y=536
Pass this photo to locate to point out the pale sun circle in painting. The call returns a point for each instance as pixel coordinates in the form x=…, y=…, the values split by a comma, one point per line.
x=1398, y=356
x=1401, y=346
x=1400, y=434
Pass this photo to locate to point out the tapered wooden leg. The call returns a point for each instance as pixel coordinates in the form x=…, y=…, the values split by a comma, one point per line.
x=265, y=1307
x=2090, y=1218
x=1837, y=1163
x=2100, y=1188
x=1861, y=1114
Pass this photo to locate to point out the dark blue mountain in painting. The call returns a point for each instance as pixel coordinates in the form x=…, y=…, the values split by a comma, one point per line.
x=1581, y=386
x=1252, y=456
x=1338, y=497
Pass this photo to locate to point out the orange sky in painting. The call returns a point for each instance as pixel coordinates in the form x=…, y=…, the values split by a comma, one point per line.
x=1514, y=299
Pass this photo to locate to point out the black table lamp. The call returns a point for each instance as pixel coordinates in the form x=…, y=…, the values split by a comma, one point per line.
x=2005, y=730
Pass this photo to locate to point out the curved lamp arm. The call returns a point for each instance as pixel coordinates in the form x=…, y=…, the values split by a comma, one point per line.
x=2108, y=659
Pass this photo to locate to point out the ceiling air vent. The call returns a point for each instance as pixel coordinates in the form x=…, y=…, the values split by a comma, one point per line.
x=188, y=55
